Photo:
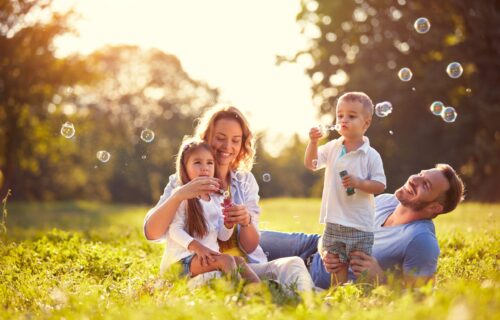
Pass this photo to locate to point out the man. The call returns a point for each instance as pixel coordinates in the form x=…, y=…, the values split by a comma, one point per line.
x=404, y=236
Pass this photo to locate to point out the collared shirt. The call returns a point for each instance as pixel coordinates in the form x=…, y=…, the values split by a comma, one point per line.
x=244, y=190
x=355, y=210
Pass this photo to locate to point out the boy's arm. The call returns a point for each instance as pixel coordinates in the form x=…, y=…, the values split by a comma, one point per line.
x=371, y=186
x=312, y=149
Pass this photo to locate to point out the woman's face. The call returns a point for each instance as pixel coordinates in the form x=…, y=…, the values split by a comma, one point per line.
x=226, y=141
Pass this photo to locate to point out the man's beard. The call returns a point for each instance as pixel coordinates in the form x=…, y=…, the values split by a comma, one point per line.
x=412, y=204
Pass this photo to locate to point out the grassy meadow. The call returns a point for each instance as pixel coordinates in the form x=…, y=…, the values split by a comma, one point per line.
x=81, y=260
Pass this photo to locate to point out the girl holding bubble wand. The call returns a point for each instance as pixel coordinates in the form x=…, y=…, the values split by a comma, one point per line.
x=198, y=223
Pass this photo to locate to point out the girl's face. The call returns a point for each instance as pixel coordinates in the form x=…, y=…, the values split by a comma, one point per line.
x=200, y=164
x=227, y=141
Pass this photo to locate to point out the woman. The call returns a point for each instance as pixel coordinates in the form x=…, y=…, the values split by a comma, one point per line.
x=228, y=132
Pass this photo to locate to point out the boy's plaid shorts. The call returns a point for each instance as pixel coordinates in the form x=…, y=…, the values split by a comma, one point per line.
x=343, y=240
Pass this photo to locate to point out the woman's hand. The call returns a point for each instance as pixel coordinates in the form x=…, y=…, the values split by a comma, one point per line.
x=205, y=255
x=331, y=262
x=236, y=214
x=197, y=187
x=363, y=264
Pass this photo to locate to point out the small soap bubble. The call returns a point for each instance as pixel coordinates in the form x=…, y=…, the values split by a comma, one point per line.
x=405, y=74
x=413, y=89
x=449, y=114
x=226, y=194
x=147, y=135
x=315, y=163
x=383, y=109
x=468, y=90
x=266, y=177
x=422, y=25
x=240, y=176
x=143, y=157
x=267, y=253
x=67, y=130
x=454, y=70
x=103, y=156
x=437, y=108
x=329, y=127
x=391, y=132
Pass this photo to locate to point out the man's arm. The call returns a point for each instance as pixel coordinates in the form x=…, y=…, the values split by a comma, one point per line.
x=420, y=260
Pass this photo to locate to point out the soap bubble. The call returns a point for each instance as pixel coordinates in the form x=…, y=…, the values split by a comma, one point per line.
x=266, y=177
x=68, y=130
x=240, y=176
x=103, y=156
x=437, y=108
x=449, y=114
x=422, y=25
x=328, y=127
x=147, y=135
x=143, y=157
x=454, y=70
x=226, y=194
x=391, y=132
x=315, y=163
x=405, y=74
x=383, y=109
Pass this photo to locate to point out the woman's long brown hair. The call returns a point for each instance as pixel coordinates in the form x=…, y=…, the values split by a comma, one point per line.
x=195, y=220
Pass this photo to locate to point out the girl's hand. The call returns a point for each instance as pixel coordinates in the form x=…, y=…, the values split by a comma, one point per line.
x=350, y=181
x=205, y=255
x=315, y=134
x=236, y=214
x=197, y=187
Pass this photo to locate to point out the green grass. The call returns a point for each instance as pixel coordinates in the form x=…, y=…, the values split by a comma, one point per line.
x=88, y=260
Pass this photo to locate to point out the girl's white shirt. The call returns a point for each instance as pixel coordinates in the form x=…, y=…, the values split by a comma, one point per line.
x=244, y=190
x=177, y=239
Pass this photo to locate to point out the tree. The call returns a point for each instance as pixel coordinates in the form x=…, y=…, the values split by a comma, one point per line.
x=30, y=75
x=360, y=46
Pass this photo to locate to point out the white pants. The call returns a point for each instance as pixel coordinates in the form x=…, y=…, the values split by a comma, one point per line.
x=287, y=271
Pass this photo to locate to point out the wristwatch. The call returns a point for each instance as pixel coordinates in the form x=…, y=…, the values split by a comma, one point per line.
x=249, y=222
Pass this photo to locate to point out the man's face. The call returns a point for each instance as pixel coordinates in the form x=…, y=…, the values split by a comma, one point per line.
x=422, y=189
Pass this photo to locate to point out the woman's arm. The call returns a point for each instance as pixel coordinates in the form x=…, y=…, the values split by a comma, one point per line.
x=159, y=218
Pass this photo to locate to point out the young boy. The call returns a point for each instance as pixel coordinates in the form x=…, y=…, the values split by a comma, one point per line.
x=354, y=173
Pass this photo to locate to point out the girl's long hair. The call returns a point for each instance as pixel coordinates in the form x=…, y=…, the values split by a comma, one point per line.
x=195, y=220
x=205, y=131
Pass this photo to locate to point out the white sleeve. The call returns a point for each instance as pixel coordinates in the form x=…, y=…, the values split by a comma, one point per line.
x=323, y=154
x=224, y=233
x=177, y=228
x=167, y=192
x=376, y=168
x=251, y=197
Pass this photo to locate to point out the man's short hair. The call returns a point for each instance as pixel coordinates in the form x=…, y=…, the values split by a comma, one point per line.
x=360, y=97
x=455, y=194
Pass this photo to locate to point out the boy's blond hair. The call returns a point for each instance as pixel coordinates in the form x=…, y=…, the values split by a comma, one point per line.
x=360, y=97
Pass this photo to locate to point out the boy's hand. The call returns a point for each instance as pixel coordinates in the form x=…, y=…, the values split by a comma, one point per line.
x=350, y=181
x=315, y=134
x=205, y=255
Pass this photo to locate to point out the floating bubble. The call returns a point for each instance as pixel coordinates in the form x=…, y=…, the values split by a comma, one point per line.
x=405, y=74
x=413, y=89
x=266, y=177
x=143, y=157
x=226, y=194
x=329, y=127
x=449, y=114
x=422, y=25
x=67, y=130
x=468, y=90
x=240, y=176
x=383, y=109
x=437, y=108
x=391, y=132
x=315, y=163
x=103, y=156
x=454, y=70
x=147, y=135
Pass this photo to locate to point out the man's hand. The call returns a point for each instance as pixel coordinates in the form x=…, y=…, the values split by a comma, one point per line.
x=205, y=255
x=331, y=262
x=365, y=265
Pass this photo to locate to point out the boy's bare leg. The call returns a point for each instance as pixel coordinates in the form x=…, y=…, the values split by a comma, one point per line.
x=224, y=263
x=247, y=273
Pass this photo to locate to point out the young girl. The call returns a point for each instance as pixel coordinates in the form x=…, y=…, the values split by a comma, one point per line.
x=198, y=223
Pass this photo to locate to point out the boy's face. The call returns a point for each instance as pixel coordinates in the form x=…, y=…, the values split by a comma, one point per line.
x=353, y=119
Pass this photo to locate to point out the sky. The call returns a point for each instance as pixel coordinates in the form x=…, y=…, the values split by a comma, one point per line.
x=230, y=44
